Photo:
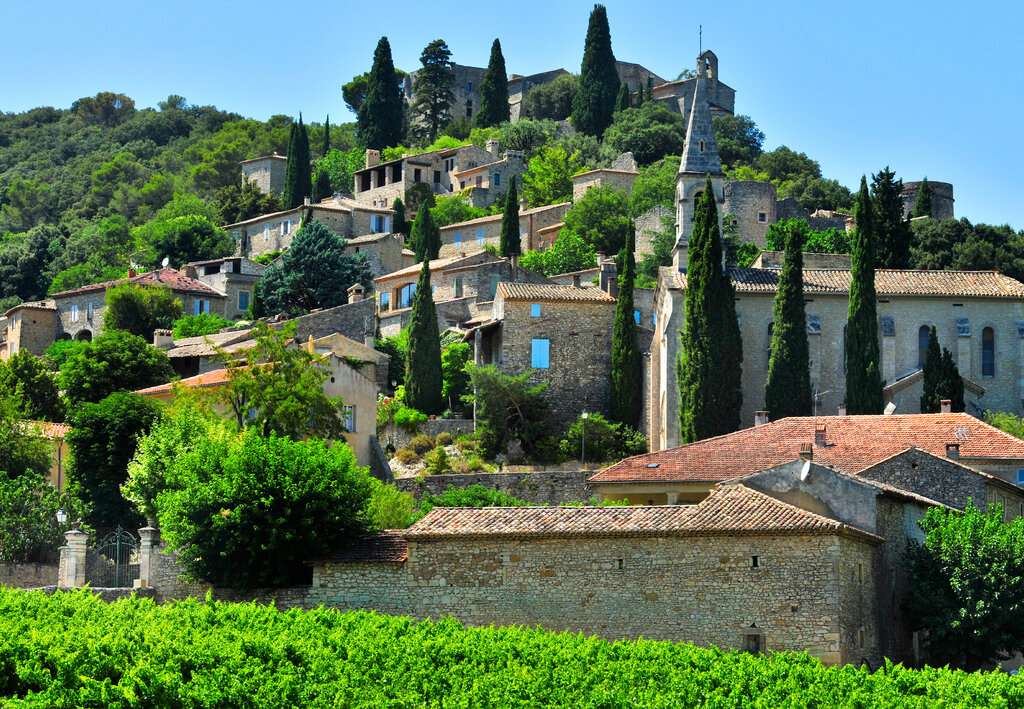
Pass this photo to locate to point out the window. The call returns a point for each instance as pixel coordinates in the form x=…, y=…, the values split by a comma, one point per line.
x=266, y=232
x=405, y=295
x=458, y=239
x=243, y=300
x=385, y=302
x=200, y=305
x=636, y=316
x=540, y=354
x=458, y=286
x=654, y=319
x=90, y=310
x=348, y=417
x=535, y=310
x=417, y=175
x=752, y=643
x=1020, y=477
x=771, y=334
x=755, y=562
x=462, y=184
x=479, y=180
x=922, y=345
x=496, y=180
x=469, y=108
x=286, y=227
x=469, y=86
x=762, y=217
x=988, y=352
x=479, y=237
x=702, y=146
x=74, y=313
x=494, y=286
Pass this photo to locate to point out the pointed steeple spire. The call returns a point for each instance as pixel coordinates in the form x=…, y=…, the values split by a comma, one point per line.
x=700, y=151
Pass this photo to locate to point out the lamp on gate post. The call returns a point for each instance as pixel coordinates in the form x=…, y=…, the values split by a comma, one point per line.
x=583, y=445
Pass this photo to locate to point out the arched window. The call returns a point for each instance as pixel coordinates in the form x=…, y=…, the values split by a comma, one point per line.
x=988, y=352
x=922, y=345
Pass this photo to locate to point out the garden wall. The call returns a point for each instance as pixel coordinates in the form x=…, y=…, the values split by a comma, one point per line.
x=28, y=575
x=396, y=437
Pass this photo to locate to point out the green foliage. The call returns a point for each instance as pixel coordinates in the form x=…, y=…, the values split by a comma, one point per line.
x=399, y=225
x=510, y=242
x=380, y=112
x=268, y=258
x=27, y=380
x=102, y=441
x=433, y=88
x=624, y=98
x=115, y=361
x=494, y=108
x=626, y=404
x=892, y=231
x=654, y=186
x=321, y=186
x=600, y=218
x=396, y=348
x=549, y=177
x=527, y=135
x=297, y=184
x=140, y=309
x=451, y=209
x=863, y=376
x=314, y=273
x=426, y=236
x=25, y=452
x=409, y=419
x=662, y=245
x=59, y=352
x=966, y=586
x=942, y=379
x=199, y=325
x=422, y=444
x=339, y=167
x=830, y=241
x=354, y=92
x=604, y=440
x=247, y=511
x=389, y=508
x=923, y=203
x=423, y=378
x=569, y=253
x=1012, y=424
x=594, y=102
x=708, y=367
x=650, y=132
x=454, y=358
x=471, y=496
x=787, y=391
x=739, y=140
x=508, y=408
x=183, y=239
x=785, y=164
x=437, y=462
x=553, y=100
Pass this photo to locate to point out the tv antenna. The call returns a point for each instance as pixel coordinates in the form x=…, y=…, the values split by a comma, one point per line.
x=817, y=394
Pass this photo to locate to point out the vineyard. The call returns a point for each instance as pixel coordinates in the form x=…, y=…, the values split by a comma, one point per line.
x=73, y=650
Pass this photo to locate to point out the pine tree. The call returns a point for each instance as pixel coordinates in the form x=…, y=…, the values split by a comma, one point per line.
x=863, y=378
x=892, y=231
x=423, y=377
x=425, y=237
x=923, y=203
x=622, y=102
x=325, y=146
x=787, y=391
x=711, y=353
x=398, y=223
x=626, y=404
x=380, y=115
x=494, y=107
x=297, y=182
x=932, y=374
x=434, y=89
x=594, y=103
x=510, y=243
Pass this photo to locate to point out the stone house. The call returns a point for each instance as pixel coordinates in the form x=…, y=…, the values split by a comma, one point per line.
x=465, y=89
x=942, y=198
x=28, y=326
x=384, y=252
x=274, y=232
x=562, y=334
x=191, y=356
x=603, y=177
x=486, y=184
x=266, y=171
x=235, y=276
x=471, y=236
x=379, y=183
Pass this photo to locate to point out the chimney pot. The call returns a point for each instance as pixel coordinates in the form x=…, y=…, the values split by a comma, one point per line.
x=760, y=418
x=819, y=434
x=163, y=339
x=946, y=406
x=306, y=201
x=806, y=451
x=953, y=451
x=842, y=409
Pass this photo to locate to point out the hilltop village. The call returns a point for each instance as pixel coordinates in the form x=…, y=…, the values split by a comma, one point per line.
x=541, y=412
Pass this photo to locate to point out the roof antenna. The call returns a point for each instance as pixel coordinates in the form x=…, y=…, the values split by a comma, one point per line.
x=816, y=395
x=700, y=40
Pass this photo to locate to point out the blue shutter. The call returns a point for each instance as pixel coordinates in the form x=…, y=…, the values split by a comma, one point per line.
x=540, y=357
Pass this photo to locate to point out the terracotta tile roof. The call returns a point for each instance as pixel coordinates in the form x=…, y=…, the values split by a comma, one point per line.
x=439, y=264
x=824, y=281
x=211, y=379
x=205, y=345
x=544, y=291
x=498, y=217
x=733, y=509
x=852, y=444
x=388, y=546
x=168, y=277
x=33, y=305
x=50, y=429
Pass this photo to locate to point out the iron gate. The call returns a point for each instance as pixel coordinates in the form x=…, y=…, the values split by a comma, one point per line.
x=116, y=561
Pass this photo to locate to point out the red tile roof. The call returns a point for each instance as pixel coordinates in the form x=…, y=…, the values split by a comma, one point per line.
x=733, y=509
x=388, y=546
x=852, y=444
x=210, y=379
x=544, y=291
x=51, y=430
x=168, y=277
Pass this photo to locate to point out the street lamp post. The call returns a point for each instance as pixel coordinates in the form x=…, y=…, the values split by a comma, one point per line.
x=583, y=445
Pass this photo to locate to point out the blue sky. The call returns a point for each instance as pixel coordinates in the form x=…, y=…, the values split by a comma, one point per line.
x=929, y=89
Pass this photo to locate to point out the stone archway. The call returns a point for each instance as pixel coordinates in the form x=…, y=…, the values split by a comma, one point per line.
x=84, y=336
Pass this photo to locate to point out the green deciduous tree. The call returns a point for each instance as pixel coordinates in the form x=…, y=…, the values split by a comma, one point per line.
x=594, y=103
x=454, y=358
x=426, y=236
x=115, y=361
x=433, y=88
x=923, y=203
x=708, y=367
x=654, y=186
x=199, y=325
x=297, y=182
x=27, y=380
x=892, y=231
x=863, y=377
x=510, y=243
x=650, y=132
x=549, y=177
x=626, y=403
x=942, y=379
x=380, y=112
x=605, y=440
x=183, y=239
x=787, y=391
x=423, y=376
x=494, y=108
x=140, y=309
x=739, y=140
x=600, y=218
x=569, y=253
x=552, y=100
x=452, y=209
x=509, y=408
x=236, y=204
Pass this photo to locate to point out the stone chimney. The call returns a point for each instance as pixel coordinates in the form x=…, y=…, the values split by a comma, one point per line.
x=806, y=451
x=953, y=451
x=819, y=435
x=946, y=406
x=369, y=331
x=609, y=278
x=760, y=418
x=372, y=158
x=306, y=201
x=493, y=147
x=131, y=273
x=163, y=339
x=842, y=409
x=356, y=293
x=576, y=281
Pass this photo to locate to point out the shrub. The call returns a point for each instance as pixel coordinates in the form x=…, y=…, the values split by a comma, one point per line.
x=464, y=444
x=443, y=439
x=409, y=419
x=470, y=465
x=422, y=444
x=472, y=496
x=406, y=456
x=390, y=508
x=604, y=440
x=437, y=462
x=199, y=325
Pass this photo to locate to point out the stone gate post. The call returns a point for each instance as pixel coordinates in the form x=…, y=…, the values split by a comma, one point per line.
x=149, y=537
x=72, y=561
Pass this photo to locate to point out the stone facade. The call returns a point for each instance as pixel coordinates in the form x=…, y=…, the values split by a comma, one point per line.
x=471, y=237
x=29, y=326
x=353, y=320
x=393, y=437
x=942, y=198
x=486, y=184
x=235, y=277
x=384, y=252
x=605, y=177
x=519, y=86
x=28, y=575
x=554, y=488
x=465, y=88
x=678, y=95
x=751, y=207
x=378, y=184
x=774, y=259
x=267, y=172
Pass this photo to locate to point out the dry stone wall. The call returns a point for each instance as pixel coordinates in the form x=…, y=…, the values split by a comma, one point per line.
x=28, y=575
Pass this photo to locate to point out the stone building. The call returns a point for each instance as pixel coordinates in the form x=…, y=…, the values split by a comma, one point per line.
x=471, y=236
x=563, y=334
x=379, y=183
x=519, y=86
x=603, y=177
x=345, y=217
x=751, y=208
x=236, y=277
x=465, y=88
x=942, y=198
x=486, y=184
x=267, y=172
x=679, y=95
x=28, y=326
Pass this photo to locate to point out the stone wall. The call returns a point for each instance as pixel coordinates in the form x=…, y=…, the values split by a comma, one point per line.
x=858, y=612
x=469, y=237
x=29, y=328
x=942, y=198
x=267, y=172
x=648, y=225
x=394, y=437
x=554, y=488
x=449, y=313
x=751, y=205
x=349, y=320
x=774, y=259
x=28, y=575
x=935, y=478
x=616, y=179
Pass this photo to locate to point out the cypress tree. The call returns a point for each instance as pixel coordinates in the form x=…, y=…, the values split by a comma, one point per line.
x=711, y=353
x=932, y=374
x=923, y=203
x=494, y=107
x=297, y=182
x=380, y=115
x=594, y=103
x=952, y=385
x=892, y=231
x=639, y=95
x=423, y=362
x=650, y=89
x=510, y=244
x=622, y=102
x=321, y=186
x=863, y=378
x=425, y=237
x=787, y=391
x=325, y=146
x=626, y=404
x=289, y=169
x=398, y=223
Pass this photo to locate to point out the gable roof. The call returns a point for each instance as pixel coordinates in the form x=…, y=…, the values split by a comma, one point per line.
x=734, y=509
x=852, y=444
x=498, y=217
x=217, y=377
x=346, y=205
x=545, y=291
x=167, y=277
x=440, y=264
x=51, y=430
x=206, y=345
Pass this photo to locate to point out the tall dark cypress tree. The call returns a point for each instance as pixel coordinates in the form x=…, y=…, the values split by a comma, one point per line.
x=952, y=385
x=932, y=374
x=321, y=186
x=290, y=181
x=380, y=116
x=297, y=181
x=494, y=107
x=398, y=223
x=892, y=231
x=510, y=243
x=426, y=237
x=650, y=89
x=626, y=404
x=423, y=377
x=711, y=352
x=325, y=145
x=622, y=102
x=639, y=95
x=863, y=377
x=923, y=203
x=787, y=391
x=594, y=103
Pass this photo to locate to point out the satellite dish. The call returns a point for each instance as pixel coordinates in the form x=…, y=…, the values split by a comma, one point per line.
x=165, y=262
x=805, y=470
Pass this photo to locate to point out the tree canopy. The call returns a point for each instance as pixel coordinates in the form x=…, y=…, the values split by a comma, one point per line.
x=380, y=111
x=434, y=91
x=114, y=361
x=140, y=309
